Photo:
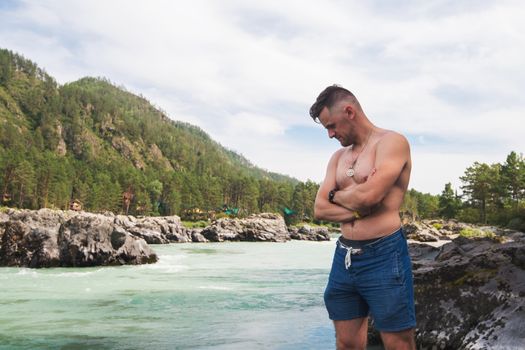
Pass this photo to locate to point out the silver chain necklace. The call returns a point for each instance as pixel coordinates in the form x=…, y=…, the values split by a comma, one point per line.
x=350, y=172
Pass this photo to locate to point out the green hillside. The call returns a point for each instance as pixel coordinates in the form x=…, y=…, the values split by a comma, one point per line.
x=95, y=142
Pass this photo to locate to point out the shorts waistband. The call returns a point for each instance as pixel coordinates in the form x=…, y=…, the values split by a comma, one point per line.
x=368, y=242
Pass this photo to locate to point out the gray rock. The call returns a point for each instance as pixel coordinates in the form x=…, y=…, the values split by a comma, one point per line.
x=259, y=227
x=154, y=230
x=427, y=231
x=30, y=238
x=3, y=219
x=222, y=230
x=47, y=238
x=422, y=254
x=309, y=233
x=471, y=296
x=118, y=237
x=197, y=237
x=423, y=235
x=85, y=240
x=150, y=236
x=433, y=230
x=412, y=227
x=453, y=226
x=125, y=221
x=134, y=251
x=179, y=234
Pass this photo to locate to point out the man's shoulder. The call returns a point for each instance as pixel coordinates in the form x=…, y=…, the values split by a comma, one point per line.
x=337, y=154
x=393, y=143
x=390, y=136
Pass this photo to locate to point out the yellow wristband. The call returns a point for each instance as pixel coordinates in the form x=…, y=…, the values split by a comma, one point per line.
x=357, y=215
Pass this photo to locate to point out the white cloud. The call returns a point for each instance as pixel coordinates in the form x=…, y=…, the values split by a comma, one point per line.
x=253, y=125
x=447, y=73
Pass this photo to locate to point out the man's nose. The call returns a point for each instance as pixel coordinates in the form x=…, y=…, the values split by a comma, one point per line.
x=331, y=133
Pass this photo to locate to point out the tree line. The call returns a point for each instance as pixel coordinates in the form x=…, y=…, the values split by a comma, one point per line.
x=491, y=194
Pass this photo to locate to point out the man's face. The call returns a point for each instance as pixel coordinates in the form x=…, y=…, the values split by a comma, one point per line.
x=337, y=123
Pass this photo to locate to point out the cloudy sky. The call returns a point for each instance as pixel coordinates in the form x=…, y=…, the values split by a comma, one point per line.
x=448, y=74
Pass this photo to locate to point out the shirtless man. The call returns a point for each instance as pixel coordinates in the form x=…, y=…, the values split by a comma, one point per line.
x=363, y=190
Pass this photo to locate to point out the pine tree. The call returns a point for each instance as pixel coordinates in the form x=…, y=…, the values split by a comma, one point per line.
x=480, y=183
x=449, y=204
x=513, y=178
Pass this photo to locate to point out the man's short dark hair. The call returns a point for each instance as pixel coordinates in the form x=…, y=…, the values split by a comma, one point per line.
x=328, y=98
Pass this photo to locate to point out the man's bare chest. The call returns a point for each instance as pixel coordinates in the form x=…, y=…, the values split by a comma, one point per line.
x=363, y=165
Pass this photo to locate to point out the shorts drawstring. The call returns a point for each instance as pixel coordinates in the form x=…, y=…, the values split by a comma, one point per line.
x=349, y=252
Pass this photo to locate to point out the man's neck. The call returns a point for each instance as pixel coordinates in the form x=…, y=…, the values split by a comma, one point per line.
x=364, y=136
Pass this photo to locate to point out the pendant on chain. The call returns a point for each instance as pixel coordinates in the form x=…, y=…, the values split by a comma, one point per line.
x=350, y=172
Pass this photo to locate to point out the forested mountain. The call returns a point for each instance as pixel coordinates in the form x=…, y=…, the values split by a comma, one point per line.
x=112, y=150
x=109, y=149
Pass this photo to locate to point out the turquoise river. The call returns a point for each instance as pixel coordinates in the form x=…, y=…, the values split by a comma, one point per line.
x=198, y=296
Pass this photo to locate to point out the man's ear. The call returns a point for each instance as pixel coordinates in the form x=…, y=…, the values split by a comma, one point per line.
x=350, y=110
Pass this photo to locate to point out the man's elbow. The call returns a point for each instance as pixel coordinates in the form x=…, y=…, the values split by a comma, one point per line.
x=318, y=212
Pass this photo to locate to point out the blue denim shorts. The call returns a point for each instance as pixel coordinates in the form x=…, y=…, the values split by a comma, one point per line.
x=374, y=279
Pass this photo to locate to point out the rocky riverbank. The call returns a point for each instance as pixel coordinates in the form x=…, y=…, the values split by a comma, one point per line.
x=469, y=292
x=49, y=238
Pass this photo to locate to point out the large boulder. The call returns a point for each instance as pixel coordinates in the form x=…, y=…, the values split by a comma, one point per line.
x=197, y=237
x=422, y=232
x=422, y=254
x=309, y=233
x=155, y=230
x=266, y=227
x=425, y=235
x=470, y=295
x=30, y=238
x=180, y=234
x=93, y=240
x=48, y=238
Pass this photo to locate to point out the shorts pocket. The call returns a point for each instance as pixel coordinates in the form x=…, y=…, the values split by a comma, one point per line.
x=397, y=267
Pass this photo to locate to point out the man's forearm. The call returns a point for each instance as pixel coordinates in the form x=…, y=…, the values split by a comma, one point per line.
x=333, y=212
x=352, y=199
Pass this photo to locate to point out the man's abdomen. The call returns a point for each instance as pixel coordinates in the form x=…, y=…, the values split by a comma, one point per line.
x=373, y=226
